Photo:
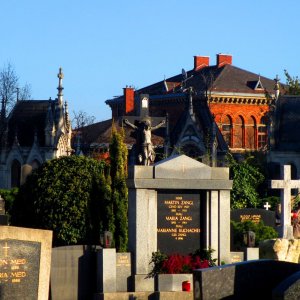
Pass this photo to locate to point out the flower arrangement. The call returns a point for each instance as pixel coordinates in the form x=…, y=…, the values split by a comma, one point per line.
x=180, y=264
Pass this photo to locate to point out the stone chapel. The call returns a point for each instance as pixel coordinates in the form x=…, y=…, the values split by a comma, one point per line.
x=35, y=131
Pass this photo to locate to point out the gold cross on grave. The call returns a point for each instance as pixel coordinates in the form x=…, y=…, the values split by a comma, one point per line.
x=5, y=249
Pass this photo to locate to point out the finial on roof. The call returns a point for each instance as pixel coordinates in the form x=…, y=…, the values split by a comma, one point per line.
x=60, y=88
x=276, y=87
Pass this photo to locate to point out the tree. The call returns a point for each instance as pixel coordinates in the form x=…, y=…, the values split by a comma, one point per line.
x=9, y=88
x=293, y=84
x=68, y=195
x=81, y=119
x=246, y=179
x=118, y=172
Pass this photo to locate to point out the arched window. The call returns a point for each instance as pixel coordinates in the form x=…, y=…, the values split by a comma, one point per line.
x=262, y=133
x=15, y=174
x=226, y=129
x=238, y=139
x=250, y=133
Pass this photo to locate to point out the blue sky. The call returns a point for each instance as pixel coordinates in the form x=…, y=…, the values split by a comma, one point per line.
x=103, y=46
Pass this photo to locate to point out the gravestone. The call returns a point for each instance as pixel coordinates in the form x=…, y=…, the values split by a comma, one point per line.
x=178, y=222
x=25, y=258
x=123, y=274
x=177, y=205
x=285, y=185
x=255, y=215
x=73, y=272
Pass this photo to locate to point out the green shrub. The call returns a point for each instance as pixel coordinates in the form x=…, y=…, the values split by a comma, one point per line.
x=261, y=231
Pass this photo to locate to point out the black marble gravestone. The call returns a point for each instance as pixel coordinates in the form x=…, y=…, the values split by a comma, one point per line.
x=255, y=215
x=19, y=269
x=178, y=222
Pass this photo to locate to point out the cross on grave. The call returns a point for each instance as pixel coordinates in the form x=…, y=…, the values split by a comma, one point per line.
x=286, y=185
x=267, y=206
x=5, y=249
x=142, y=125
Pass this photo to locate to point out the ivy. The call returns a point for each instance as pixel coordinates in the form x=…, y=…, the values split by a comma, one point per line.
x=246, y=180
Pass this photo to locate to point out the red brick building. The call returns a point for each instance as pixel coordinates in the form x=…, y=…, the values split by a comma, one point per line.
x=238, y=100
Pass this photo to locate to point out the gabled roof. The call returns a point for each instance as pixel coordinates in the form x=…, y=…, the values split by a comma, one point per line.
x=26, y=120
x=227, y=79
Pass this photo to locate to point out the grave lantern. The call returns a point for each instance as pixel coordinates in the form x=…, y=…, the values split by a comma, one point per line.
x=106, y=239
x=249, y=238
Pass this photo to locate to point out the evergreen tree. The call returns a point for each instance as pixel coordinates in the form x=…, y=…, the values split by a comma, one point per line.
x=68, y=195
x=119, y=192
x=293, y=84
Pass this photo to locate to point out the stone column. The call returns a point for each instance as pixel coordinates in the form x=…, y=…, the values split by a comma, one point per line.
x=214, y=223
x=224, y=226
x=142, y=228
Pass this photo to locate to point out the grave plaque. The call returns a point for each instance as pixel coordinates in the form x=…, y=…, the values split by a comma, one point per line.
x=123, y=265
x=19, y=269
x=178, y=222
x=255, y=215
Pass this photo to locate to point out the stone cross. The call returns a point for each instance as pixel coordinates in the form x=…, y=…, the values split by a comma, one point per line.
x=285, y=197
x=267, y=206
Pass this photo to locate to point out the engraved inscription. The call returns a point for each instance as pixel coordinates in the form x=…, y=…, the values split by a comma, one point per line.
x=178, y=222
x=19, y=268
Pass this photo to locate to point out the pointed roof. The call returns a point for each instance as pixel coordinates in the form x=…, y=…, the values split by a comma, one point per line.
x=27, y=119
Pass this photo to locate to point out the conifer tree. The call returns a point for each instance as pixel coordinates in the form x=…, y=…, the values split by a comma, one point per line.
x=119, y=192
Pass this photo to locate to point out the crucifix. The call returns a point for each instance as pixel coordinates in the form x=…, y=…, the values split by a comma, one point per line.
x=142, y=125
x=285, y=198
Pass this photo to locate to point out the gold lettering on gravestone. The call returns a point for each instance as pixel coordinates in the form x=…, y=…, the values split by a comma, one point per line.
x=254, y=218
x=12, y=270
x=123, y=260
x=179, y=218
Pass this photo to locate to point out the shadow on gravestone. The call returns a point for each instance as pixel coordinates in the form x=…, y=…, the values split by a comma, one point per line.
x=289, y=289
x=245, y=280
x=87, y=273
x=73, y=270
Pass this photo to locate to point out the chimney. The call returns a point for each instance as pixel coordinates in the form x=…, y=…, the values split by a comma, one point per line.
x=200, y=62
x=223, y=59
x=128, y=99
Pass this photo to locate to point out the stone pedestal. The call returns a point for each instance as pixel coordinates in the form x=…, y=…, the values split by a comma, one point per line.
x=251, y=253
x=106, y=271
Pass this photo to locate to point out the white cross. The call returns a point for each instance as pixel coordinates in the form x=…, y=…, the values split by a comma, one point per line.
x=267, y=206
x=285, y=197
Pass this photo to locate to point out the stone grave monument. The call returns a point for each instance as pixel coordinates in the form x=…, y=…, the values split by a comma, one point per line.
x=285, y=185
x=25, y=259
x=177, y=206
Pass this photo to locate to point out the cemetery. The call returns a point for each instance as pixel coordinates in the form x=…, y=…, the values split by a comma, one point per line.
x=140, y=227
x=177, y=205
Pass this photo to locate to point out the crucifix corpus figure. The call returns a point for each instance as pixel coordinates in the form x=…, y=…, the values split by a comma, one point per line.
x=146, y=153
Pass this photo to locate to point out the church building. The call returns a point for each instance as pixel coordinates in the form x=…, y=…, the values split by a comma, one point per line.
x=35, y=131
